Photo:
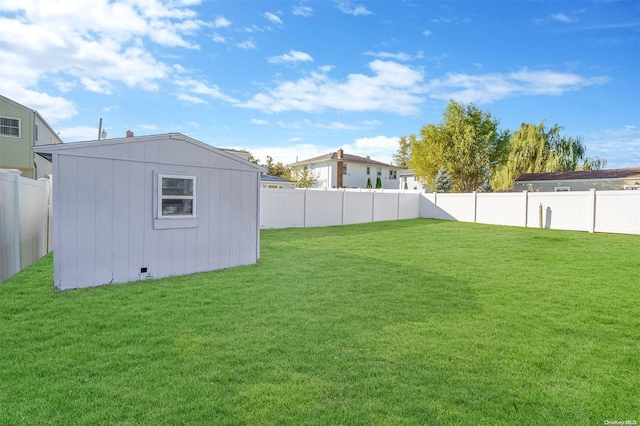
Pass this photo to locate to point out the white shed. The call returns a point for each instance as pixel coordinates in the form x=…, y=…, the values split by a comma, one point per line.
x=149, y=207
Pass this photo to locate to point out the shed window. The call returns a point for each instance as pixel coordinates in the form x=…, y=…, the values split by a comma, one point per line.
x=10, y=126
x=176, y=196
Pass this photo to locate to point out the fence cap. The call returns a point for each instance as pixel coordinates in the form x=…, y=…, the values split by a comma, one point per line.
x=11, y=171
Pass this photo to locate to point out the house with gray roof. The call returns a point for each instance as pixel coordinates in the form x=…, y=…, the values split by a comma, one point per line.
x=582, y=180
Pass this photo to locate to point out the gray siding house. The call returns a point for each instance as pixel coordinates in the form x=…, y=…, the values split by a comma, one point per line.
x=134, y=208
x=582, y=180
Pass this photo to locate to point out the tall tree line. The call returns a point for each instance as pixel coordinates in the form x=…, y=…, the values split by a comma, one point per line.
x=476, y=154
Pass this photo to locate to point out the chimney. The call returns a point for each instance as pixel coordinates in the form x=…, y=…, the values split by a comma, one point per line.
x=129, y=134
x=340, y=153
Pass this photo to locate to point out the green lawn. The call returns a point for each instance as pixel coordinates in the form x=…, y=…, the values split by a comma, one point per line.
x=409, y=322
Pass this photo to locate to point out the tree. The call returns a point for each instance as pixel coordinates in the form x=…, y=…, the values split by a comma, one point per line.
x=303, y=178
x=467, y=143
x=402, y=157
x=442, y=181
x=250, y=157
x=369, y=185
x=278, y=169
x=378, y=183
x=536, y=149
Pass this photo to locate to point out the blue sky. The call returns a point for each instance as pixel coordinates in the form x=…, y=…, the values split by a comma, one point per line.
x=296, y=79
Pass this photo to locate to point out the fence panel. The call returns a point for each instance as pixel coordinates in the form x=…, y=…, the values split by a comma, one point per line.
x=24, y=219
x=618, y=212
x=501, y=209
x=560, y=210
x=282, y=208
x=358, y=207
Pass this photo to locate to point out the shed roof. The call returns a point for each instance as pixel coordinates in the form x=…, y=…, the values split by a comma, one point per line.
x=631, y=172
x=94, y=146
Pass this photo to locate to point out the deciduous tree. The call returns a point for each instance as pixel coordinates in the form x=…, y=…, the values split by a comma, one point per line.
x=536, y=149
x=467, y=143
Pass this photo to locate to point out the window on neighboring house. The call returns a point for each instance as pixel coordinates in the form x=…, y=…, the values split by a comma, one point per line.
x=392, y=174
x=305, y=168
x=632, y=187
x=344, y=169
x=10, y=126
x=561, y=188
x=176, y=196
x=379, y=172
x=36, y=133
x=313, y=167
x=368, y=170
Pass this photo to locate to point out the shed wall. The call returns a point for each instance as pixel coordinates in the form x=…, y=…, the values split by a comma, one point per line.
x=104, y=232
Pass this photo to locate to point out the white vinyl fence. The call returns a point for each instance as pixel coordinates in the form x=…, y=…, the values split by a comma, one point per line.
x=24, y=221
x=591, y=211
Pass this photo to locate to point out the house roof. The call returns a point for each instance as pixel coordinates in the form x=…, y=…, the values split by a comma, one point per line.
x=582, y=175
x=47, y=151
x=347, y=158
x=269, y=178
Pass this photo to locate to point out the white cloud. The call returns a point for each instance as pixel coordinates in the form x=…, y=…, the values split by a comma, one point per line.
x=345, y=6
x=380, y=148
x=273, y=18
x=400, y=56
x=305, y=11
x=426, y=33
x=218, y=38
x=99, y=44
x=200, y=88
x=393, y=88
x=487, y=88
x=246, y=45
x=259, y=122
x=561, y=17
x=190, y=99
x=78, y=133
x=336, y=125
x=221, y=22
x=292, y=56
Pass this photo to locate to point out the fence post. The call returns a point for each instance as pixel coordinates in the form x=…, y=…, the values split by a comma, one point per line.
x=16, y=221
x=475, y=206
x=592, y=210
x=526, y=207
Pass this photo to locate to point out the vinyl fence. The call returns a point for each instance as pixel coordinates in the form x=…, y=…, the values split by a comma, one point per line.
x=24, y=221
x=591, y=211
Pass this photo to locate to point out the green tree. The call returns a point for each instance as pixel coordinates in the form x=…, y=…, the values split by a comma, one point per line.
x=536, y=149
x=378, y=183
x=369, y=185
x=303, y=178
x=442, y=181
x=277, y=169
x=402, y=157
x=467, y=143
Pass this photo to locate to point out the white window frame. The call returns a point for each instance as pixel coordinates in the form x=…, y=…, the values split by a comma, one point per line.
x=378, y=172
x=368, y=171
x=161, y=197
x=344, y=169
x=8, y=135
x=562, y=189
x=173, y=221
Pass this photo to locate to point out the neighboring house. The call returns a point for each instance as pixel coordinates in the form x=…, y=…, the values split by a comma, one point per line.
x=408, y=180
x=133, y=208
x=583, y=180
x=21, y=128
x=276, y=182
x=340, y=170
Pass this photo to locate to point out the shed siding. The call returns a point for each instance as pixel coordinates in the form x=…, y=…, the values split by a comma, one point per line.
x=105, y=212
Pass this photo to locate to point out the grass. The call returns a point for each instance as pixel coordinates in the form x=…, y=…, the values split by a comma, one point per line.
x=394, y=323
